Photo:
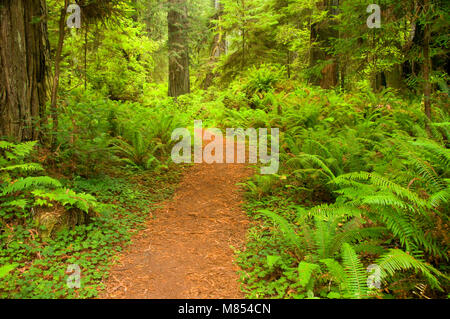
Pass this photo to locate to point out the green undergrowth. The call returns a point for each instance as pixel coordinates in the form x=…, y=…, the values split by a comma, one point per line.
x=268, y=267
x=38, y=267
x=359, y=205
x=286, y=258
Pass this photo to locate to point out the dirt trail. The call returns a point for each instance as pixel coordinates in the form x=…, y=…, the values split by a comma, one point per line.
x=185, y=250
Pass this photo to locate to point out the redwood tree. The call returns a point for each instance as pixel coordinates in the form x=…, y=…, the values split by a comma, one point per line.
x=23, y=67
x=178, y=48
x=321, y=33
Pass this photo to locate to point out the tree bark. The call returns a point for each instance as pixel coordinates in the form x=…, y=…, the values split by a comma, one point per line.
x=218, y=46
x=54, y=96
x=23, y=68
x=427, y=66
x=394, y=77
x=321, y=33
x=178, y=48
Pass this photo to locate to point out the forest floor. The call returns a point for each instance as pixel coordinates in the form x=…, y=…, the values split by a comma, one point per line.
x=186, y=249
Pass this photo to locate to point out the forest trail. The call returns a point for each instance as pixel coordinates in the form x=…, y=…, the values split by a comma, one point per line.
x=185, y=252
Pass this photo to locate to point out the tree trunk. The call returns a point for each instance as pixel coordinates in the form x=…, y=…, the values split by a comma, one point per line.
x=321, y=33
x=23, y=67
x=218, y=46
x=288, y=63
x=394, y=77
x=427, y=66
x=54, y=96
x=178, y=48
x=243, y=50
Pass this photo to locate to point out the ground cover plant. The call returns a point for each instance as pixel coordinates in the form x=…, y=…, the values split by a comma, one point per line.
x=91, y=93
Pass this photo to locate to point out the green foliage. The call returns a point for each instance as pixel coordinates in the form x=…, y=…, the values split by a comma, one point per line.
x=306, y=271
x=263, y=79
x=18, y=193
x=36, y=268
x=138, y=153
x=356, y=279
x=4, y=270
x=356, y=181
x=363, y=177
x=67, y=197
x=396, y=260
x=285, y=228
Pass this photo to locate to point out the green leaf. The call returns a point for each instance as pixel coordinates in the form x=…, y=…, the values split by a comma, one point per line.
x=272, y=260
x=4, y=270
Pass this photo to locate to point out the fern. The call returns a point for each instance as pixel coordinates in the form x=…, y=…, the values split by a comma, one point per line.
x=403, y=212
x=353, y=235
x=396, y=260
x=336, y=271
x=19, y=193
x=30, y=182
x=439, y=198
x=313, y=159
x=356, y=278
x=384, y=184
x=323, y=234
x=441, y=154
x=331, y=211
x=29, y=167
x=68, y=197
x=17, y=151
x=139, y=153
x=305, y=274
x=285, y=228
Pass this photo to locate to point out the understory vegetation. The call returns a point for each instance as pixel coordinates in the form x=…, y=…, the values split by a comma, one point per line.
x=359, y=207
x=361, y=183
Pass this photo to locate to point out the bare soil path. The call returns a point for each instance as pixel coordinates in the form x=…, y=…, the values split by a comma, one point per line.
x=184, y=252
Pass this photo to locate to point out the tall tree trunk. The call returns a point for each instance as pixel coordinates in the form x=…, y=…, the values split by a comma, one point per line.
x=54, y=96
x=178, y=48
x=218, y=46
x=394, y=77
x=321, y=33
x=288, y=63
x=23, y=67
x=85, y=56
x=243, y=36
x=427, y=65
x=243, y=50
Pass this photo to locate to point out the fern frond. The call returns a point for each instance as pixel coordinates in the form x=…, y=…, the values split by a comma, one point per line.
x=305, y=274
x=384, y=184
x=314, y=159
x=327, y=211
x=358, y=234
x=30, y=167
x=285, y=227
x=441, y=197
x=387, y=199
x=28, y=182
x=336, y=271
x=356, y=277
x=397, y=260
x=18, y=151
x=323, y=235
x=441, y=153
